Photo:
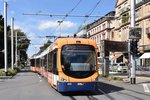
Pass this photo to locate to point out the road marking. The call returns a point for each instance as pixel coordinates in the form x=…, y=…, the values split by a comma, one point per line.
x=146, y=89
x=40, y=78
x=102, y=91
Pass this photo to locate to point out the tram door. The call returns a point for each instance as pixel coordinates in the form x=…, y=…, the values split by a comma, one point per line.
x=55, y=69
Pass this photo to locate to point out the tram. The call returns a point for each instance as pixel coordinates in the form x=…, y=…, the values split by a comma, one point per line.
x=69, y=64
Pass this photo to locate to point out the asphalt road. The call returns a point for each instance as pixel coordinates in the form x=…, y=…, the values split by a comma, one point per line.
x=31, y=86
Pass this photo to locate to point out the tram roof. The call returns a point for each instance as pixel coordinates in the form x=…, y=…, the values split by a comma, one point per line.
x=46, y=51
x=61, y=41
x=71, y=40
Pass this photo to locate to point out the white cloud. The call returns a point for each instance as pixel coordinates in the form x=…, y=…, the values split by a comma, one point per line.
x=45, y=24
x=17, y=27
x=31, y=36
x=23, y=27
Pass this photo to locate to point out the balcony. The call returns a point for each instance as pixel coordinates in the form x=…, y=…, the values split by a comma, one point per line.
x=124, y=9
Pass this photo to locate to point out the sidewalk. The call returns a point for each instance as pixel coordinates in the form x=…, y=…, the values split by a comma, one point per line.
x=141, y=77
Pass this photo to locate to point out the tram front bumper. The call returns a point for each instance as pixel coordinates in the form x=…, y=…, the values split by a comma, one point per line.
x=76, y=86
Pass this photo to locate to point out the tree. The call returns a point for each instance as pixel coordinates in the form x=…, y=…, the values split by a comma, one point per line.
x=1, y=41
x=42, y=48
x=22, y=45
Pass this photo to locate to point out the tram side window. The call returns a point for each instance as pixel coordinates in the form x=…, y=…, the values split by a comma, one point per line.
x=55, y=71
x=45, y=62
x=50, y=62
x=38, y=62
x=32, y=62
x=41, y=61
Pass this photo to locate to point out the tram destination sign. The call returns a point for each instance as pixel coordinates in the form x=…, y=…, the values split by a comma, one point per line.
x=78, y=47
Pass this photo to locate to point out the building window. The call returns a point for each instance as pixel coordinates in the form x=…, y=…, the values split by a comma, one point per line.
x=119, y=33
x=125, y=3
x=104, y=26
x=112, y=36
x=138, y=1
x=89, y=34
x=119, y=30
x=137, y=13
x=99, y=36
x=99, y=28
x=119, y=7
x=103, y=36
x=137, y=25
x=149, y=7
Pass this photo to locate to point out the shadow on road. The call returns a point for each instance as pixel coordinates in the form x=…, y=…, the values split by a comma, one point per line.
x=102, y=89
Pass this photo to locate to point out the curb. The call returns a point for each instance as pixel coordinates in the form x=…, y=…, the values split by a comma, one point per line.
x=139, y=79
x=127, y=80
x=6, y=77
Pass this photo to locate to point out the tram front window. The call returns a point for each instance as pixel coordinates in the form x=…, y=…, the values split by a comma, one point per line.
x=78, y=61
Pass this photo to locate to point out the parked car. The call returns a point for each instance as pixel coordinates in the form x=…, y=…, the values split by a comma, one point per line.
x=114, y=67
x=119, y=67
x=122, y=67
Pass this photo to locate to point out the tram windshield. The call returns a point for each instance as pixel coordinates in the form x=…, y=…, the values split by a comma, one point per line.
x=78, y=61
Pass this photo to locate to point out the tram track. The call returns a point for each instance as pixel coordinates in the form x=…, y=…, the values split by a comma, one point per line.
x=108, y=96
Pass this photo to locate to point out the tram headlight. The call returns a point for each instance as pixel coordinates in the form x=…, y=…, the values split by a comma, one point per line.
x=95, y=79
x=63, y=79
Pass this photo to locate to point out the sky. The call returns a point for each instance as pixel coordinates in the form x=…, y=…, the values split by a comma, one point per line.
x=38, y=27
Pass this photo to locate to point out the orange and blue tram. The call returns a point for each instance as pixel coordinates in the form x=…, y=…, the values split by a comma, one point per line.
x=69, y=64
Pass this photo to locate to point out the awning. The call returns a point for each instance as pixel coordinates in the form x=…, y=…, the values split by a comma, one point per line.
x=145, y=55
x=116, y=56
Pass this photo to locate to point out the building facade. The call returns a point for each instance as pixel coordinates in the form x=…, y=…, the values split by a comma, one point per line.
x=117, y=28
x=82, y=32
x=142, y=20
x=101, y=29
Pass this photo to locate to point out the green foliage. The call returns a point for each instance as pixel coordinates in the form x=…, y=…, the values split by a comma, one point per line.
x=42, y=48
x=125, y=18
x=1, y=40
x=23, y=43
x=16, y=68
x=2, y=73
x=11, y=72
